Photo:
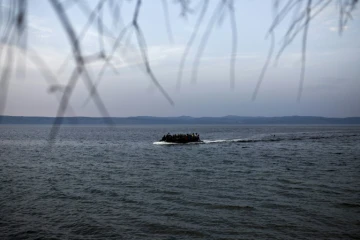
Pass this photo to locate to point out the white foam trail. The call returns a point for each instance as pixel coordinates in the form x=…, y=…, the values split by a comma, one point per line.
x=223, y=140
x=164, y=143
x=205, y=141
x=214, y=141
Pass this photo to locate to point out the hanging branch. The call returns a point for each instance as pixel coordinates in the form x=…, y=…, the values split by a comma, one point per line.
x=79, y=70
x=191, y=40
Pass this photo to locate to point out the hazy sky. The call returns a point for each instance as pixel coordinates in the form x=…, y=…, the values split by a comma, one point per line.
x=331, y=87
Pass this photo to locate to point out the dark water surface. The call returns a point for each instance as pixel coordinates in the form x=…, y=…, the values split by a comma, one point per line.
x=245, y=182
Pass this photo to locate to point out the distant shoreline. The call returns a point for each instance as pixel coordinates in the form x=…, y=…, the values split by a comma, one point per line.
x=237, y=120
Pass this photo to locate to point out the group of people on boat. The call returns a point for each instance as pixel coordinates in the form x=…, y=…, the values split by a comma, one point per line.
x=194, y=137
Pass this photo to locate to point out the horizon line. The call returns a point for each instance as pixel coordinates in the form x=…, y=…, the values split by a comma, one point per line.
x=181, y=116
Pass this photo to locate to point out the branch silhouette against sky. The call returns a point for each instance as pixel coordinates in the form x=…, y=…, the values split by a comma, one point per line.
x=107, y=22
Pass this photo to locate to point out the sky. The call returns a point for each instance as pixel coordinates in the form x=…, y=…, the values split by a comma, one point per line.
x=332, y=76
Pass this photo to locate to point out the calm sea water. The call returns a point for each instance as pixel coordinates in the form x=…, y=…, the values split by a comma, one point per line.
x=244, y=182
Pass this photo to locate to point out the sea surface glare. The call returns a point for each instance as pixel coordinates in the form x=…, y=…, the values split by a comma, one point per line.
x=244, y=182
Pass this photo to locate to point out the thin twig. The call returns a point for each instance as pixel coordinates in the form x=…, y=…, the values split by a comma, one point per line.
x=79, y=70
x=234, y=44
x=303, y=60
x=204, y=39
x=143, y=49
x=167, y=21
x=264, y=69
x=190, y=42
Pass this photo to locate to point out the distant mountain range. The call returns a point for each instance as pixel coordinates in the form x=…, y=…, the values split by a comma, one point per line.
x=182, y=120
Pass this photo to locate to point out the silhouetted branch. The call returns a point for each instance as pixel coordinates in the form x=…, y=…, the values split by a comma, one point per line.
x=264, y=69
x=282, y=14
x=108, y=59
x=167, y=21
x=303, y=59
x=21, y=23
x=297, y=25
x=300, y=23
x=143, y=50
x=100, y=30
x=234, y=43
x=5, y=76
x=82, y=33
x=205, y=38
x=79, y=70
x=12, y=35
x=184, y=5
x=115, y=9
x=191, y=40
x=345, y=9
x=48, y=76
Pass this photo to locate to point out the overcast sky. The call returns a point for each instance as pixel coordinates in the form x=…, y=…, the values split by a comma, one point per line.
x=331, y=86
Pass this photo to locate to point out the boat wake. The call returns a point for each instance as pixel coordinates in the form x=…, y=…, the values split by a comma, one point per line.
x=268, y=138
x=203, y=142
x=164, y=143
x=223, y=140
x=173, y=143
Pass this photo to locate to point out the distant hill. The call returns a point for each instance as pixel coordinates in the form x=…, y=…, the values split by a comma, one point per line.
x=182, y=120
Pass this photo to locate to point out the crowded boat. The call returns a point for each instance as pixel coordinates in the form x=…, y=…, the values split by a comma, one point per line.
x=181, y=138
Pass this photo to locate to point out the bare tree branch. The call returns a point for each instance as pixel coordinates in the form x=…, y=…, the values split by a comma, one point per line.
x=234, y=44
x=143, y=50
x=264, y=69
x=80, y=69
x=191, y=40
x=303, y=59
x=167, y=21
x=205, y=38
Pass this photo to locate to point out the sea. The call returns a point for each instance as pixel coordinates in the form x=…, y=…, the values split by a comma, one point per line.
x=120, y=182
